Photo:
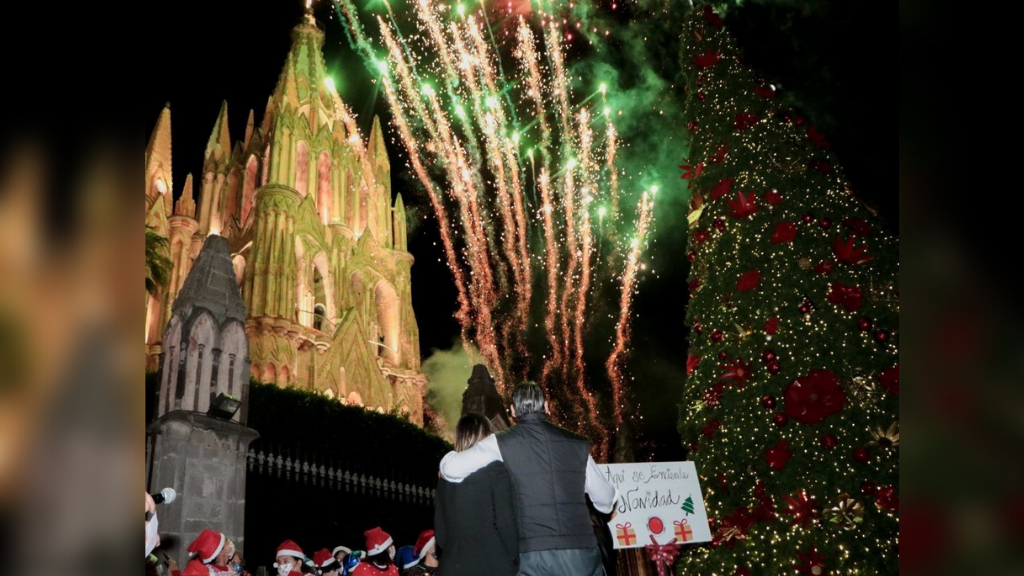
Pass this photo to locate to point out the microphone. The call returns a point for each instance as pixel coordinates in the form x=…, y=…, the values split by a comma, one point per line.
x=166, y=496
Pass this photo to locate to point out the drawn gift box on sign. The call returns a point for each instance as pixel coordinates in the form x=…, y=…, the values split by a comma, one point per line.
x=625, y=534
x=683, y=531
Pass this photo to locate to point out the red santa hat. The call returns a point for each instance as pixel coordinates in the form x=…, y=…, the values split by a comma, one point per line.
x=207, y=546
x=424, y=543
x=292, y=549
x=324, y=559
x=377, y=541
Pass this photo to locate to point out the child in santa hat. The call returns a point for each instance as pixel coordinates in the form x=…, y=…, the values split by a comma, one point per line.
x=380, y=555
x=289, y=559
x=210, y=553
x=426, y=554
x=325, y=564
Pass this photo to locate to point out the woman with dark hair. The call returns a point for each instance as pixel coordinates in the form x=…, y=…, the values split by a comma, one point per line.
x=474, y=520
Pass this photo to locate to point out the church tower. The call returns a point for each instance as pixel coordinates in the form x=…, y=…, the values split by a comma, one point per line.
x=318, y=248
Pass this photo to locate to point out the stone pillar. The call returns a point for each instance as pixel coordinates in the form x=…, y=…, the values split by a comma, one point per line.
x=204, y=460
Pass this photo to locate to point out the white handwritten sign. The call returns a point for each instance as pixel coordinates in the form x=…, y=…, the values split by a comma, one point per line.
x=657, y=499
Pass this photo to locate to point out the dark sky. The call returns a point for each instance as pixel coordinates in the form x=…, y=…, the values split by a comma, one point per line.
x=232, y=50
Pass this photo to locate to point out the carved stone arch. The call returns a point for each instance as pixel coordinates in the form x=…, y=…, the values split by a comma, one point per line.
x=202, y=340
x=354, y=399
x=302, y=168
x=172, y=359
x=233, y=351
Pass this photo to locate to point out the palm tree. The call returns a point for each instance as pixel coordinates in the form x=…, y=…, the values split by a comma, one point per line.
x=158, y=264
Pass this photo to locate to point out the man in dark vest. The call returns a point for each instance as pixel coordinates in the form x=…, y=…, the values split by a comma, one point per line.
x=553, y=473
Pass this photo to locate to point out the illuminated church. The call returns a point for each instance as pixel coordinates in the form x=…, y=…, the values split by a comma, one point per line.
x=319, y=250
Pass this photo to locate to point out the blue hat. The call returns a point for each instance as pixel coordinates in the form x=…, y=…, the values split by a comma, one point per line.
x=406, y=557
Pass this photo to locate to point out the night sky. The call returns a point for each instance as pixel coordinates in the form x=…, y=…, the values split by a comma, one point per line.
x=208, y=52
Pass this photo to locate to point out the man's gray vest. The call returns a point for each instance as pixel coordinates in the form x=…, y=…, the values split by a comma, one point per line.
x=549, y=471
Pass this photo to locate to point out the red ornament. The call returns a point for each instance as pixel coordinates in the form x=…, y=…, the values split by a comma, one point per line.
x=701, y=96
x=722, y=356
x=719, y=224
x=723, y=188
x=701, y=236
x=825, y=267
x=849, y=254
x=882, y=336
x=848, y=296
x=785, y=232
x=694, y=447
x=655, y=525
x=692, y=126
x=780, y=419
x=691, y=255
x=743, y=206
x=707, y=59
x=829, y=441
x=774, y=367
x=771, y=326
x=716, y=336
x=765, y=91
x=691, y=363
x=825, y=223
x=749, y=281
x=864, y=324
x=768, y=402
x=700, y=81
x=887, y=499
x=805, y=309
x=697, y=327
x=890, y=379
x=808, y=218
x=861, y=455
x=769, y=355
x=773, y=198
x=868, y=488
x=778, y=456
x=815, y=397
x=817, y=138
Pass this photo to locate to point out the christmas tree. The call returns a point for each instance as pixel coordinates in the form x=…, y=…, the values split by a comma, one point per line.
x=791, y=405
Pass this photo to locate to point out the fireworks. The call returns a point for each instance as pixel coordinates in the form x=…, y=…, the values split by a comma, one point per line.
x=471, y=132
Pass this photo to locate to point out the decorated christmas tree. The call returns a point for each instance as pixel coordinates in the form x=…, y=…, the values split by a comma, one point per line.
x=791, y=404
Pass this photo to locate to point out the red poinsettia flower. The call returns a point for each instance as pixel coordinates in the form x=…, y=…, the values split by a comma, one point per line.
x=743, y=206
x=744, y=120
x=815, y=397
x=802, y=509
x=778, y=456
x=733, y=528
x=857, y=227
x=847, y=253
x=713, y=396
x=765, y=91
x=712, y=17
x=771, y=326
x=820, y=166
x=691, y=363
x=813, y=565
x=890, y=379
x=773, y=198
x=825, y=267
x=691, y=173
x=849, y=296
x=817, y=138
x=723, y=188
x=694, y=284
x=710, y=429
x=737, y=372
x=707, y=59
x=784, y=233
x=719, y=156
x=701, y=236
x=749, y=281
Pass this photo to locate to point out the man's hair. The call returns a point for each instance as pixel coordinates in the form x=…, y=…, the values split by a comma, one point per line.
x=528, y=398
x=471, y=429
